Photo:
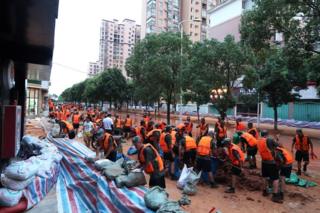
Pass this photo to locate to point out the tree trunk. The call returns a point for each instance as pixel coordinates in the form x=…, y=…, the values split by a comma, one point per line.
x=198, y=109
x=168, y=109
x=275, y=110
x=158, y=107
x=110, y=105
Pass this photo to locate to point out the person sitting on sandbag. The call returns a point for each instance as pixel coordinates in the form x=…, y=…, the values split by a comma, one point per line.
x=106, y=143
x=151, y=162
x=67, y=128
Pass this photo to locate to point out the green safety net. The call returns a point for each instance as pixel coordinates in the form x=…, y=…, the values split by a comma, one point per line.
x=295, y=180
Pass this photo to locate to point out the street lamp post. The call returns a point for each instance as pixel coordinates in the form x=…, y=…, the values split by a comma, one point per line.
x=180, y=27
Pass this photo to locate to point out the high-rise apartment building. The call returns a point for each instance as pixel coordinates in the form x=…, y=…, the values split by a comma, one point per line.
x=194, y=18
x=166, y=15
x=116, y=44
x=94, y=68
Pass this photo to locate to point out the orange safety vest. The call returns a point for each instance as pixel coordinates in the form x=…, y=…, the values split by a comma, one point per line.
x=118, y=123
x=203, y=128
x=189, y=127
x=138, y=132
x=302, y=145
x=264, y=151
x=63, y=116
x=149, y=168
x=252, y=141
x=163, y=144
x=287, y=155
x=256, y=131
x=69, y=126
x=222, y=132
x=150, y=134
x=105, y=144
x=234, y=160
x=128, y=122
x=204, y=146
x=162, y=125
x=190, y=143
x=240, y=127
x=76, y=119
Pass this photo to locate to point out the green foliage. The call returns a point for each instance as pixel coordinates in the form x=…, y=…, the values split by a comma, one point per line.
x=155, y=67
x=214, y=65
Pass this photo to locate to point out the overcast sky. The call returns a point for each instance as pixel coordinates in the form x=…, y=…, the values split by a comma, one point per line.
x=77, y=36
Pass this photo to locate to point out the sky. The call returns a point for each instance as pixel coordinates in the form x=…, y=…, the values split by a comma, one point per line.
x=77, y=36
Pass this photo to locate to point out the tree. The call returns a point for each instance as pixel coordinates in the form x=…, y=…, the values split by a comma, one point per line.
x=299, y=21
x=215, y=66
x=155, y=66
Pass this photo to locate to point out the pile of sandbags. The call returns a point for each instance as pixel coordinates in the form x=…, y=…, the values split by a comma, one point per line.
x=131, y=180
x=188, y=181
x=35, y=158
x=114, y=169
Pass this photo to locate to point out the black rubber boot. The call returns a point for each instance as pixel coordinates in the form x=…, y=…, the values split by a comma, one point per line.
x=299, y=172
x=276, y=198
x=214, y=185
x=265, y=193
x=230, y=190
x=281, y=195
x=304, y=167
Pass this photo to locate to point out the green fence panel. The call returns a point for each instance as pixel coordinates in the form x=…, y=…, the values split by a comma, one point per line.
x=306, y=111
x=267, y=112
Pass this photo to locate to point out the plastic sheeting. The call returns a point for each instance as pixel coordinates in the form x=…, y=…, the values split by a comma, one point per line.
x=81, y=188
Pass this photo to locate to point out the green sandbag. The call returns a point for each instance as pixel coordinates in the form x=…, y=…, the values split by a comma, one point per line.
x=236, y=138
x=295, y=180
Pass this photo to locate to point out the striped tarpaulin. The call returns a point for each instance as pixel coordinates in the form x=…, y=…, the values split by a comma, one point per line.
x=41, y=186
x=81, y=188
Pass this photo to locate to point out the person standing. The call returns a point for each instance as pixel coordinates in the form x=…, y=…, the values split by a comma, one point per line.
x=204, y=128
x=127, y=126
x=151, y=162
x=284, y=160
x=269, y=168
x=118, y=125
x=221, y=132
x=108, y=124
x=240, y=127
x=303, y=145
x=166, y=145
x=236, y=156
x=205, y=151
x=87, y=131
x=189, y=126
x=253, y=131
x=76, y=117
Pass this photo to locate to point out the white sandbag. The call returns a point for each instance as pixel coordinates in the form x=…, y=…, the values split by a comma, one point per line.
x=188, y=175
x=155, y=197
x=13, y=184
x=55, y=131
x=183, y=177
x=22, y=170
x=57, y=157
x=45, y=170
x=102, y=163
x=9, y=197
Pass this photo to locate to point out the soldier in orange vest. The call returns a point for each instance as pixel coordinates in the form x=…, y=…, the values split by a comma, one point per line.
x=67, y=128
x=188, y=150
x=127, y=126
x=253, y=131
x=151, y=162
x=118, y=125
x=108, y=144
x=221, y=132
x=269, y=168
x=204, y=128
x=303, y=145
x=251, y=148
x=76, y=121
x=240, y=127
x=189, y=126
x=205, y=151
x=284, y=159
x=236, y=156
x=166, y=145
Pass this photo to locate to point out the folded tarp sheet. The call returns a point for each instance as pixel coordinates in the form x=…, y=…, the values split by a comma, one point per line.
x=81, y=188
